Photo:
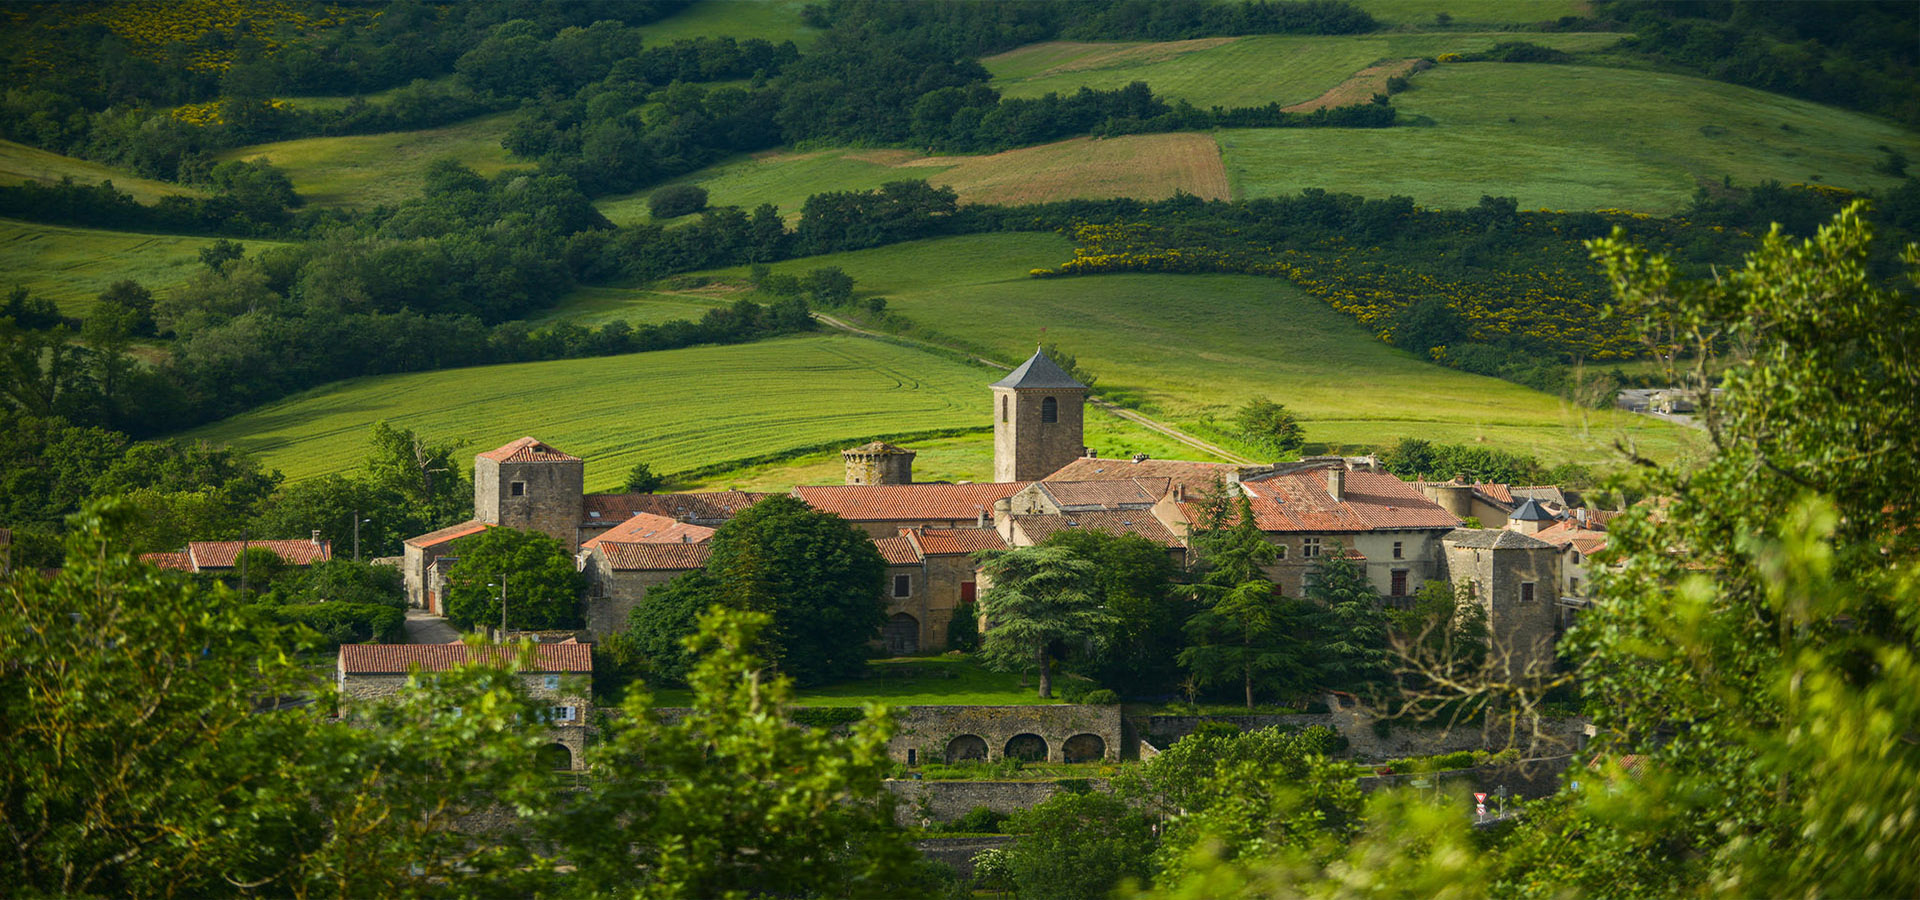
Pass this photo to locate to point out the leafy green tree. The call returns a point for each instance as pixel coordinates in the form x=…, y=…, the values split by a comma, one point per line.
x=423, y=472
x=1269, y=426
x=343, y=581
x=818, y=576
x=1442, y=635
x=963, y=630
x=1073, y=846
x=1241, y=632
x=1068, y=363
x=1039, y=595
x=1133, y=580
x=641, y=479
x=731, y=800
x=542, y=586
x=676, y=200
x=1346, y=624
x=330, y=503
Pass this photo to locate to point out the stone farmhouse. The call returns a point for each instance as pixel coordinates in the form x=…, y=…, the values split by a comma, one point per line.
x=556, y=675
x=1528, y=572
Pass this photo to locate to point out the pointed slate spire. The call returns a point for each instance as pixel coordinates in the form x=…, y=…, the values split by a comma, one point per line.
x=1039, y=372
x=1531, y=511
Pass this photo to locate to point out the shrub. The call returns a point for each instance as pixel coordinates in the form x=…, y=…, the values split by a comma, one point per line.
x=963, y=630
x=676, y=200
x=1101, y=697
x=978, y=820
x=347, y=623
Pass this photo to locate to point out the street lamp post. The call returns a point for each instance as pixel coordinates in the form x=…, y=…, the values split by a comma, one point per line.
x=357, y=521
x=503, y=604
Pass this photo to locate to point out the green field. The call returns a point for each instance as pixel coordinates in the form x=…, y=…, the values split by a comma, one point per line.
x=71, y=266
x=785, y=180
x=675, y=410
x=597, y=305
x=928, y=681
x=769, y=20
x=1248, y=71
x=20, y=163
x=370, y=169
x=1569, y=137
x=1187, y=348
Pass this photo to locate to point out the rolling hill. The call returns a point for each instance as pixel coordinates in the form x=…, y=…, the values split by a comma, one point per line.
x=20, y=163
x=71, y=266
x=369, y=169
x=675, y=410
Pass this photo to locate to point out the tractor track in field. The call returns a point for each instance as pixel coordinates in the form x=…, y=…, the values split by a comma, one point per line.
x=1109, y=406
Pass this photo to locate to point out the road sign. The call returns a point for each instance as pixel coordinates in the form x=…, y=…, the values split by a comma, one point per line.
x=1479, y=804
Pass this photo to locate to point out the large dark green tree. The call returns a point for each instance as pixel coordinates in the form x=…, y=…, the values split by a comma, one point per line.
x=1132, y=580
x=1076, y=845
x=1242, y=632
x=1040, y=595
x=1347, y=625
x=542, y=587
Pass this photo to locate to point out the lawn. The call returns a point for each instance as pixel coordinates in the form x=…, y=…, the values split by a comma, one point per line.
x=597, y=305
x=1190, y=348
x=1472, y=12
x=1569, y=137
x=769, y=20
x=370, y=169
x=928, y=681
x=1247, y=71
x=71, y=266
x=20, y=163
x=1151, y=167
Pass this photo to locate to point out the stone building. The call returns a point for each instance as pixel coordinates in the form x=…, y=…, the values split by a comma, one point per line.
x=530, y=486
x=878, y=463
x=883, y=509
x=1513, y=577
x=557, y=676
x=623, y=563
x=1038, y=420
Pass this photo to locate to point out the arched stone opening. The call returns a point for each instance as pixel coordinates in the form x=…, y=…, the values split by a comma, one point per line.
x=1084, y=748
x=1028, y=747
x=966, y=747
x=901, y=635
x=558, y=757
x=1049, y=409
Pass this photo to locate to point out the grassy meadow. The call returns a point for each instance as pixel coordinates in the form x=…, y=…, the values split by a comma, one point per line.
x=1569, y=137
x=675, y=410
x=1190, y=348
x=769, y=20
x=20, y=163
x=1145, y=166
x=1245, y=71
x=1471, y=12
x=71, y=266
x=370, y=169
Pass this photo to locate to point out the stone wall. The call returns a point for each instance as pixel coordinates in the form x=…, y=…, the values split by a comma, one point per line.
x=564, y=690
x=1528, y=779
x=957, y=853
x=549, y=501
x=1027, y=449
x=1522, y=632
x=923, y=803
x=1364, y=743
x=612, y=594
x=924, y=734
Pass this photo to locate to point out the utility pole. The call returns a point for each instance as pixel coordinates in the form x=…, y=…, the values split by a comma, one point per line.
x=243, y=565
x=356, y=534
x=503, y=607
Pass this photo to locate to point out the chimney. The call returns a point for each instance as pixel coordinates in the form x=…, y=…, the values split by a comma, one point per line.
x=1179, y=493
x=980, y=518
x=686, y=538
x=1580, y=515
x=1092, y=453
x=1337, y=482
x=316, y=537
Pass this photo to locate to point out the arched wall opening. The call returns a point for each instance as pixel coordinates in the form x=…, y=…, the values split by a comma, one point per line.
x=965, y=748
x=1084, y=748
x=1027, y=747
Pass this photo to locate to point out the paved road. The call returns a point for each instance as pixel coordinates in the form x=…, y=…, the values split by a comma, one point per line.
x=1122, y=412
x=426, y=628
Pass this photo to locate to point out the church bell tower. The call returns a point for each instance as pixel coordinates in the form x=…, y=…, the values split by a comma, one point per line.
x=1038, y=412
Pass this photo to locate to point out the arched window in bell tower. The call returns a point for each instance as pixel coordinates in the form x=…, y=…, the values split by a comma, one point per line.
x=1049, y=410
x=1003, y=409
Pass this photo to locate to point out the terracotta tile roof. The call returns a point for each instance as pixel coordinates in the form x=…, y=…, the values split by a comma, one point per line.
x=897, y=551
x=1129, y=494
x=382, y=659
x=656, y=557
x=1196, y=477
x=1586, y=540
x=647, y=528
x=527, y=449
x=177, y=561
x=906, y=502
x=1111, y=521
x=954, y=541
x=1494, y=539
x=714, y=506
x=448, y=534
x=226, y=554
x=1497, y=493
x=1370, y=501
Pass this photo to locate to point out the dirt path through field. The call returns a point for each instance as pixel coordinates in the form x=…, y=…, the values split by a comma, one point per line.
x=1359, y=87
x=1122, y=412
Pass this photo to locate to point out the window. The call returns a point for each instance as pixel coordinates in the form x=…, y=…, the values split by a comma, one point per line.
x=1049, y=410
x=1310, y=547
x=967, y=591
x=1573, y=586
x=1526, y=592
x=1279, y=551
x=562, y=713
x=1396, y=551
x=517, y=489
x=1003, y=408
x=1399, y=588
x=902, y=586
x=552, y=682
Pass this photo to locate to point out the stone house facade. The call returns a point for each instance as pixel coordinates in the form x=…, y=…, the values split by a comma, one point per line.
x=558, y=676
x=1513, y=577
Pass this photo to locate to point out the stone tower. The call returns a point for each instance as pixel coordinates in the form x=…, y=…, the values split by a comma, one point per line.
x=1038, y=411
x=878, y=463
x=531, y=486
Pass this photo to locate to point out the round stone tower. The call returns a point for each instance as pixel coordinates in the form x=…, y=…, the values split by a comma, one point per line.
x=878, y=463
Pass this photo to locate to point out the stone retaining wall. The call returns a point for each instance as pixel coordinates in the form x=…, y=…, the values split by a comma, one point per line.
x=924, y=803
